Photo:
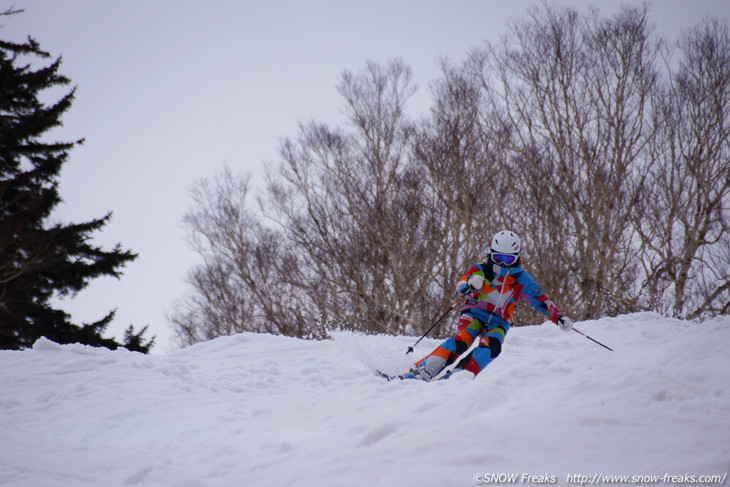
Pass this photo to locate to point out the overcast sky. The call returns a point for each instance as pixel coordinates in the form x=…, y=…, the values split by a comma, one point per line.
x=170, y=91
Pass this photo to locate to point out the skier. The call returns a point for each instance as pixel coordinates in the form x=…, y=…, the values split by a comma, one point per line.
x=492, y=289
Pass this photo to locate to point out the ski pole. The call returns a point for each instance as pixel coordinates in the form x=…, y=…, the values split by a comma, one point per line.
x=410, y=349
x=591, y=339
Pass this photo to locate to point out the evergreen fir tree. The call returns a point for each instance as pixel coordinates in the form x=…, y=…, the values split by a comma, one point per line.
x=38, y=259
x=136, y=341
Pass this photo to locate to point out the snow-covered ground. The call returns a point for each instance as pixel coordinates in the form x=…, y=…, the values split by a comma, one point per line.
x=261, y=410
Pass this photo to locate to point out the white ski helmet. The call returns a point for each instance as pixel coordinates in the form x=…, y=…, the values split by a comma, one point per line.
x=505, y=248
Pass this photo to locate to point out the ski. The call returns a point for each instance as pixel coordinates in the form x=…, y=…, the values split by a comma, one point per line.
x=387, y=376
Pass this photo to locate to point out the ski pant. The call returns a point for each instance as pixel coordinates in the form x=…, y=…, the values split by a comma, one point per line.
x=490, y=334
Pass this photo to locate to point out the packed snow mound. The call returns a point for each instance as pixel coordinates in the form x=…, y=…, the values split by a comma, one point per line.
x=262, y=410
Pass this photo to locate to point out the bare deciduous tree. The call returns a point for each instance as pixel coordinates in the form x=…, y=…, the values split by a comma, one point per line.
x=575, y=91
x=238, y=287
x=450, y=149
x=685, y=232
x=353, y=203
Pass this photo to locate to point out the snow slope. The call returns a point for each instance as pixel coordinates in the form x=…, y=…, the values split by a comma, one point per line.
x=261, y=410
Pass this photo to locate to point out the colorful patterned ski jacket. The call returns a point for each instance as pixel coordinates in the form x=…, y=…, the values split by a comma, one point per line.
x=503, y=288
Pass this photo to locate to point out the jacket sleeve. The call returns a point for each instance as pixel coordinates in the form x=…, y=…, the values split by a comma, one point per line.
x=533, y=294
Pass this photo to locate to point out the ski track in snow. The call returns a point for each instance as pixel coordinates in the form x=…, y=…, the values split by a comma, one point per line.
x=264, y=410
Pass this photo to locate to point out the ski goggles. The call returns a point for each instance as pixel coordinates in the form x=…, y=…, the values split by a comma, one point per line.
x=504, y=259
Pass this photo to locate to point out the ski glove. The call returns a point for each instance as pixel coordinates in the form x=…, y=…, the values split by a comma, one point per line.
x=565, y=323
x=476, y=281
